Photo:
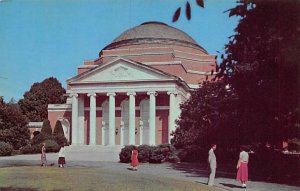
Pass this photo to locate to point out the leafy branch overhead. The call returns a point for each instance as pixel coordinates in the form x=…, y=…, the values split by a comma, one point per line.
x=188, y=11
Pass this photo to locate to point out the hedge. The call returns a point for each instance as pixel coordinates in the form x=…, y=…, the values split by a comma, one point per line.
x=5, y=149
x=152, y=154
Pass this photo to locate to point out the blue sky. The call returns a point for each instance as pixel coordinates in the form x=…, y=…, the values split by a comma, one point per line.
x=43, y=38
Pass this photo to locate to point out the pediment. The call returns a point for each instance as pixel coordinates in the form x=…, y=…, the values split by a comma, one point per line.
x=122, y=70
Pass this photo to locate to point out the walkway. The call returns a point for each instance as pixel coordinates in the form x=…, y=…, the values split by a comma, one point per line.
x=178, y=171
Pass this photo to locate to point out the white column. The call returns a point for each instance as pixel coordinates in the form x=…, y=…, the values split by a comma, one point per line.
x=141, y=132
x=74, y=118
x=112, y=118
x=172, y=114
x=152, y=117
x=92, y=118
x=81, y=119
x=131, y=117
x=122, y=133
x=103, y=133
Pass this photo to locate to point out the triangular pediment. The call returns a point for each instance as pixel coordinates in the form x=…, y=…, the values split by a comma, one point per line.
x=122, y=70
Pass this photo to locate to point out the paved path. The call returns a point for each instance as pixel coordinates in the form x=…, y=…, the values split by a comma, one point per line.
x=182, y=171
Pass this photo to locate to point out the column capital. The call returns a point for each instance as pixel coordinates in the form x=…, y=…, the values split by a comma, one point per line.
x=172, y=92
x=91, y=94
x=131, y=93
x=152, y=92
x=73, y=95
x=111, y=94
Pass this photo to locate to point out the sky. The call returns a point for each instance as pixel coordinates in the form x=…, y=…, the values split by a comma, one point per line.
x=44, y=38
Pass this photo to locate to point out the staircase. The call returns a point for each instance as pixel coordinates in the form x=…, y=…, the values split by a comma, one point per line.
x=93, y=153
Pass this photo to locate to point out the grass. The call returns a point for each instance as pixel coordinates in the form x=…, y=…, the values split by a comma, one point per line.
x=55, y=179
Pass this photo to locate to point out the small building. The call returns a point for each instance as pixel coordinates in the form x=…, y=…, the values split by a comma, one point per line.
x=131, y=93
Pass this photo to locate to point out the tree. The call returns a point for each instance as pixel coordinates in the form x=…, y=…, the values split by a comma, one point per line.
x=210, y=115
x=13, y=124
x=261, y=64
x=58, y=129
x=36, y=100
x=46, y=128
x=59, y=135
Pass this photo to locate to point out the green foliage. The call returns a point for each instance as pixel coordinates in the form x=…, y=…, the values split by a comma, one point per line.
x=58, y=129
x=46, y=128
x=125, y=154
x=41, y=138
x=61, y=140
x=262, y=65
x=5, y=149
x=36, y=100
x=208, y=116
x=13, y=123
x=51, y=146
x=152, y=154
x=31, y=149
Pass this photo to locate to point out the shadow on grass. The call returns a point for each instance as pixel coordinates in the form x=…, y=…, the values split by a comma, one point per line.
x=231, y=185
x=226, y=171
x=200, y=170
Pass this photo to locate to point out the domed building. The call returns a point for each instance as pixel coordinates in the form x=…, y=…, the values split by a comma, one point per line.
x=132, y=92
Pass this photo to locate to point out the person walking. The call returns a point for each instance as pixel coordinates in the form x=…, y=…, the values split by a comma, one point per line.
x=212, y=164
x=61, y=156
x=43, y=156
x=242, y=166
x=134, y=158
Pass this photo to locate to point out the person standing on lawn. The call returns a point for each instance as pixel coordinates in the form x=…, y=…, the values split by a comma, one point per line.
x=242, y=166
x=43, y=156
x=61, y=156
x=134, y=158
x=212, y=164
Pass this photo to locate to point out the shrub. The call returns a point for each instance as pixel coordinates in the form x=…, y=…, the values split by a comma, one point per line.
x=46, y=128
x=35, y=133
x=51, y=146
x=61, y=139
x=5, y=149
x=31, y=149
x=41, y=138
x=156, y=155
x=152, y=154
x=144, y=153
x=125, y=154
x=58, y=130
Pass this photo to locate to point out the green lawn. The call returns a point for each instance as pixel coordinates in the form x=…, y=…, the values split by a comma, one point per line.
x=53, y=178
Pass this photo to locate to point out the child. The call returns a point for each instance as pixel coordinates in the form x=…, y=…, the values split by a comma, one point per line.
x=134, y=158
x=43, y=156
x=61, y=156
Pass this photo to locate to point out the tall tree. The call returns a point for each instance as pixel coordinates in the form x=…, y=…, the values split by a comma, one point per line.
x=262, y=65
x=208, y=116
x=36, y=100
x=13, y=123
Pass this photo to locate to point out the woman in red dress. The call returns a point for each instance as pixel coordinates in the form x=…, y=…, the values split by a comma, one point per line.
x=134, y=158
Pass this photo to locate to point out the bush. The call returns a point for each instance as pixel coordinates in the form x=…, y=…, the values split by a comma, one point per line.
x=41, y=138
x=31, y=149
x=125, y=154
x=58, y=130
x=5, y=149
x=156, y=155
x=152, y=154
x=46, y=128
x=35, y=133
x=51, y=146
x=60, y=140
x=144, y=153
